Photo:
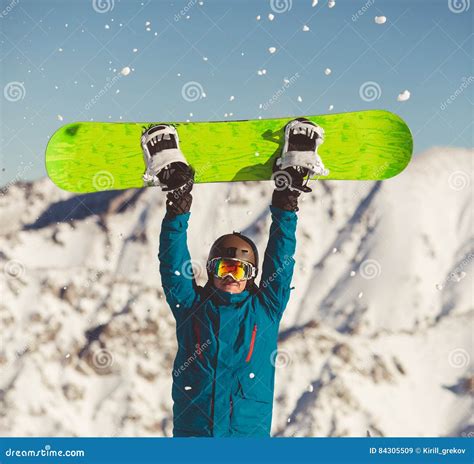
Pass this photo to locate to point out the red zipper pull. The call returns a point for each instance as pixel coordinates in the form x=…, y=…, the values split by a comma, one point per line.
x=252, y=343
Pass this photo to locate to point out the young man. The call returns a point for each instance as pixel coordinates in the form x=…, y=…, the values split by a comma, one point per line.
x=223, y=375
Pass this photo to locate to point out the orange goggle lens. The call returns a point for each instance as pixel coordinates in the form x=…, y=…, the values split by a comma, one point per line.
x=239, y=270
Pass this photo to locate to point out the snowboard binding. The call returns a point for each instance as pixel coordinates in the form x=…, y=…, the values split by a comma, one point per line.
x=299, y=157
x=166, y=165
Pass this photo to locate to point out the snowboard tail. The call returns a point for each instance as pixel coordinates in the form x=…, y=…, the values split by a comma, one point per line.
x=93, y=156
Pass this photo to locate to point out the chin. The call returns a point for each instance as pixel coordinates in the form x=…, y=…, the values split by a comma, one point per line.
x=233, y=290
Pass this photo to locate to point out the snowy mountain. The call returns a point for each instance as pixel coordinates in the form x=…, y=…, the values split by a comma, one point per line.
x=377, y=335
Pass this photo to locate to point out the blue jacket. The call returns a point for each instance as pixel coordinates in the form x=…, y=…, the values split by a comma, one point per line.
x=223, y=374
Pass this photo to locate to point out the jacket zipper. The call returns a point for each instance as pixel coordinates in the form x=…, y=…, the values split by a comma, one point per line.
x=214, y=380
x=252, y=343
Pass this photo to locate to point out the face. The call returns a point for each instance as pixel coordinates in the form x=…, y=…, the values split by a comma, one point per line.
x=228, y=284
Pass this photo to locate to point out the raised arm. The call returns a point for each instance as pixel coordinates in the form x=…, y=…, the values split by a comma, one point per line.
x=167, y=167
x=176, y=272
x=278, y=263
x=177, y=278
x=299, y=160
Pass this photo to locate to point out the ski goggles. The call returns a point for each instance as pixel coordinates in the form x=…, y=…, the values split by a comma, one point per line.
x=236, y=268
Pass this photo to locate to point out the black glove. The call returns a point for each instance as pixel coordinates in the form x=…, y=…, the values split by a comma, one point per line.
x=288, y=187
x=175, y=176
x=179, y=182
x=286, y=199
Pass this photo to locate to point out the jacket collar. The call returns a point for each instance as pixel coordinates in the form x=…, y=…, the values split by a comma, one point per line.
x=226, y=298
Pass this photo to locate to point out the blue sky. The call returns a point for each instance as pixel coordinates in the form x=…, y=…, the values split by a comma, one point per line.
x=61, y=62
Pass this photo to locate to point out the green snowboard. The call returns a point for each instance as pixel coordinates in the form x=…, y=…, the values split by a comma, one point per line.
x=92, y=156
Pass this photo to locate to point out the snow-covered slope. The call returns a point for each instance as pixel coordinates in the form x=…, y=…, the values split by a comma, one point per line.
x=377, y=335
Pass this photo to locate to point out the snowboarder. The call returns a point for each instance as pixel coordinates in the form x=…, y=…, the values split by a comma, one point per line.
x=223, y=375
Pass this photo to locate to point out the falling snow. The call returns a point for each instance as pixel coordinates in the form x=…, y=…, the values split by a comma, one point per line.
x=404, y=96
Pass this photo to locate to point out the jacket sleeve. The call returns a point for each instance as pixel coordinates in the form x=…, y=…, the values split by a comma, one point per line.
x=177, y=277
x=278, y=264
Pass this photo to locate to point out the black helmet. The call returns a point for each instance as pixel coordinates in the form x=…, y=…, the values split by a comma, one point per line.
x=238, y=246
